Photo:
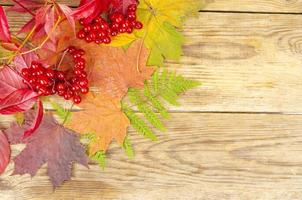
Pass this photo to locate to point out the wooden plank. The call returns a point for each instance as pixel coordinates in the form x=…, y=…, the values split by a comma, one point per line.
x=277, y=6
x=247, y=62
x=203, y=156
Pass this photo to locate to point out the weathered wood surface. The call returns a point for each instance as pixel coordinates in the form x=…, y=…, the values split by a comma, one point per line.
x=248, y=63
x=202, y=156
x=277, y=6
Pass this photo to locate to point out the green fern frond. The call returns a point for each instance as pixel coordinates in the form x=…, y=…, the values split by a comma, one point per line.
x=158, y=106
x=164, y=85
x=128, y=148
x=100, y=158
x=139, y=124
x=144, y=108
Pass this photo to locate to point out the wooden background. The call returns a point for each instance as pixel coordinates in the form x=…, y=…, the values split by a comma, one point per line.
x=238, y=137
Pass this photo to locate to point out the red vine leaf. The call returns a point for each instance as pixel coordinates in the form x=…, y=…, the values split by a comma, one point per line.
x=4, y=28
x=15, y=96
x=52, y=143
x=4, y=152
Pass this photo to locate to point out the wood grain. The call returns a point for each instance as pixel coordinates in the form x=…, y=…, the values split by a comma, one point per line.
x=246, y=62
x=202, y=156
x=274, y=6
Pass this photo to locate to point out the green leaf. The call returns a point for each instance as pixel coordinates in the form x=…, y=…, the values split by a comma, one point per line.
x=128, y=148
x=100, y=158
x=61, y=112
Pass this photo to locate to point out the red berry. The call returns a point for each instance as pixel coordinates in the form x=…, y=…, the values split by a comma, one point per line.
x=122, y=30
x=81, y=34
x=83, y=82
x=104, y=26
x=77, y=99
x=87, y=28
x=98, y=41
x=71, y=49
x=132, y=8
x=61, y=92
x=84, y=90
x=25, y=72
x=43, y=80
x=114, y=33
x=50, y=73
x=75, y=87
x=117, y=17
x=42, y=90
x=88, y=39
x=82, y=22
x=138, y=25
x=83, y=74
x=106, y=40
x=95, y=27
x=129, y=30
x=115, y=26
x=60, y=86
x=101, y=34
x=131, y=16
x=77, y=72
x=98, y=20
x=78, y=66
x=60, y=75
x=80, y=61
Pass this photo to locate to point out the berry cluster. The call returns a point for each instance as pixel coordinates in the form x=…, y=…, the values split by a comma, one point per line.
x=47, y=81
x=101, y=30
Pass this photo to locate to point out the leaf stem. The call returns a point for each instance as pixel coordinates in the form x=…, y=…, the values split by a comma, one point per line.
x=20, y=4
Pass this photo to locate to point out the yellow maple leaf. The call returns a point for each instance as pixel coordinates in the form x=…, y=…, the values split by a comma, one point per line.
x=101, y=115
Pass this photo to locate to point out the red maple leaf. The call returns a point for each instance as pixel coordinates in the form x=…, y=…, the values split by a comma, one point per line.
x=52, y=144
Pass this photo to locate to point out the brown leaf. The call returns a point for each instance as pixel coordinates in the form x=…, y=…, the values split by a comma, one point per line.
x=102, y=115
x=52, y=144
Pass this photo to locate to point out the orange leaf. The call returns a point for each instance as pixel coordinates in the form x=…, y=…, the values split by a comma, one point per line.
x=102, y=115
x=115, y=70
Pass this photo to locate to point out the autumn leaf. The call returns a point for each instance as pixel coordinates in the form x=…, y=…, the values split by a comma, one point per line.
x=161, y=20
x=44, y=16
x=4, y=28
x=116, y=70
x=52, y=144
x=4, y=152
x=101, y=115
x=15, y=96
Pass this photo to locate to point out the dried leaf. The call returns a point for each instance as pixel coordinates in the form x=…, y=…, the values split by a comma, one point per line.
x=52, y=144
x=102, y=115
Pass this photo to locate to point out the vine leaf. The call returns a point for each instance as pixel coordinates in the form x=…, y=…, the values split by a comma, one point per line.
x=4, y=28
x=161, y=20
x=102, y=115
x=4, y=152
x=52, y=144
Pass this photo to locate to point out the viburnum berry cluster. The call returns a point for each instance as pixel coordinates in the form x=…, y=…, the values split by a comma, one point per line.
x=68, y=84
x=100, y=30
